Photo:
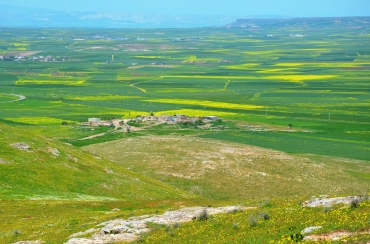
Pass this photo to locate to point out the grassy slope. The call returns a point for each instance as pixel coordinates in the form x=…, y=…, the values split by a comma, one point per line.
x=54, y=221
x=50, y=197
x=225, y=170
x=73, y=174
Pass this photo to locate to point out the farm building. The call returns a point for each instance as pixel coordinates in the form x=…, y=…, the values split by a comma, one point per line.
x=211, y=118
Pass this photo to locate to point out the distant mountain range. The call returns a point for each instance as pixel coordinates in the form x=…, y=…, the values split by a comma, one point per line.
x=11, y=16
x=322, y=22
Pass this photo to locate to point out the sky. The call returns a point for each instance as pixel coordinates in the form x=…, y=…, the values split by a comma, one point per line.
x=288, y=8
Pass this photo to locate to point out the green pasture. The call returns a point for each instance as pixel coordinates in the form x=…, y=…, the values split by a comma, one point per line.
x=7, y=98
x=298, y=80
x=332, y=144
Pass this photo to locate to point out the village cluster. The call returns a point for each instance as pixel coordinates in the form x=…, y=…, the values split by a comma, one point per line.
x=130, y=124
x=23, y=58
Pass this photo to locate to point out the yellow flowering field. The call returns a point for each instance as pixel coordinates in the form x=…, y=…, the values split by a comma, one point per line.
x=325, y=64
x=197, y=112
x=172, y=90
x=276, y=70
x=211, y=104
x=208, y=76
x=38, y=120
x=299, y=78
x=101, y=97
x=54, y=80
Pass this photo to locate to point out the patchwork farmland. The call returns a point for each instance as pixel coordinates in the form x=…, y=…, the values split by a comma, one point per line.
x=292, y=102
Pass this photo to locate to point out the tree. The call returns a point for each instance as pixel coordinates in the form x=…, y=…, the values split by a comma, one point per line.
x=199, y=121
x=290, y=126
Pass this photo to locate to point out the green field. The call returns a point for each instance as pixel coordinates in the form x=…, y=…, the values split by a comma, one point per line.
x=294, y=109
x=238, y=74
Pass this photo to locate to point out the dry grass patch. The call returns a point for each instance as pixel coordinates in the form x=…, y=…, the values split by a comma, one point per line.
x=223, y=170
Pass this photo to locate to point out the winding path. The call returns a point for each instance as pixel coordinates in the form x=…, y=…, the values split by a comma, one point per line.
x=20, y=98
x=142, y=89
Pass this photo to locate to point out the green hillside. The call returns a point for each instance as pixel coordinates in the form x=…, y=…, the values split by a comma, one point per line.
x=53, y=170
x=51, y=190
x=216, y=169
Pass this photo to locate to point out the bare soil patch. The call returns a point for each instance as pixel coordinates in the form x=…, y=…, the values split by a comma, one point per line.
x=335, y=235
x=23, y=53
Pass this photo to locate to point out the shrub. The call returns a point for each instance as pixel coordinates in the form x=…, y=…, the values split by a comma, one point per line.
x=176, y=225
x=187, y=123
x=297, y=237
x=265, y=203
x=203, y=215
x=199, y=122
x=235, y=210
x=354, y=203
x=264, y=216
x=253, y=221
x=168, y=228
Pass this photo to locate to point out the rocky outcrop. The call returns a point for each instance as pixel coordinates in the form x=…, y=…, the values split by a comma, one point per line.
x=327, y=202
x=21, y=146
x=310, y=229
x=30, y=242
x=121, y=230
x=54, y=151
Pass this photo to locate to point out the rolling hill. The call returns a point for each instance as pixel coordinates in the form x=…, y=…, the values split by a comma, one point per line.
x=36, y=167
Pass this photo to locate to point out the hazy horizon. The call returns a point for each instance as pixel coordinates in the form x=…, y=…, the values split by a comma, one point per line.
x=291, y=8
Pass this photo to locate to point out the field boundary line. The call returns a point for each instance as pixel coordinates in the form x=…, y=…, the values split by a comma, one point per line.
x=142, y=89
